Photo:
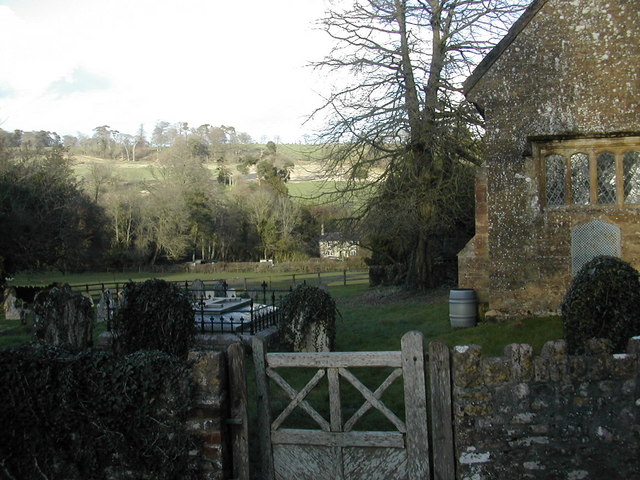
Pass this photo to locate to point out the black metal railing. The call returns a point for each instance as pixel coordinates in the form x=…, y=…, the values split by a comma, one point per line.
x=257, y=318
x=252, y=318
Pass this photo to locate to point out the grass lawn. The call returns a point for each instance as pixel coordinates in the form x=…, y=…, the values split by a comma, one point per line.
x=376, y=319
x=372, y=319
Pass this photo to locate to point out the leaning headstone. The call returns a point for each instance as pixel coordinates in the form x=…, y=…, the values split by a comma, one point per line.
x=63, y=318
x=12, y=305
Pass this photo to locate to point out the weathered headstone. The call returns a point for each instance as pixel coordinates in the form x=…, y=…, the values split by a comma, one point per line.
x=63, y=318
x=105, y=306
x=315, y=339
x=220, y=288
x=197, y=290
x=12, y=305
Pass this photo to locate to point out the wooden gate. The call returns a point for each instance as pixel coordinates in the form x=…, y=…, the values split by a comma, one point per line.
x=334, y=450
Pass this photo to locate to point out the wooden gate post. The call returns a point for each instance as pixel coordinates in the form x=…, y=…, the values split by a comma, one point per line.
x=441, y=415
x=238, y=421
x=415, y=397
x=264, y=415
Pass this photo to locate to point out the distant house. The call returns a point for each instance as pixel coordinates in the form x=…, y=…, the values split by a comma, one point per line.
x=561, y=183
x=336, y=245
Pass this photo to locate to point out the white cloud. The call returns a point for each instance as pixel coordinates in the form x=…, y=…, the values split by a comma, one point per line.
x=71, y=65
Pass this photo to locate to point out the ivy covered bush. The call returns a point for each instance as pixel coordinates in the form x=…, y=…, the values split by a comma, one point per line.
x=308, y=320
x=603, y=301
x=155, y=315
x=90, y=415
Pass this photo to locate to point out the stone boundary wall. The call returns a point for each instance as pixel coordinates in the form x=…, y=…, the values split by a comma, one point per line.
x=209, y=414
x=551, y=416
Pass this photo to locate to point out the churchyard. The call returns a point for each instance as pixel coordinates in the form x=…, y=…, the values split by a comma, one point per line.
x=371, y=318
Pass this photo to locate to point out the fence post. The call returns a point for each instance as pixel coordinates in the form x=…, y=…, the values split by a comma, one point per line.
x=415, y=396
x=264, y=416
x=252, y=328
x=440, y=375
x=344, y=276
x=238, y=421
x=319, y=282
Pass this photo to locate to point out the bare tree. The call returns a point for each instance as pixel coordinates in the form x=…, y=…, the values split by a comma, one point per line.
x=397, y=109
x=99, y=176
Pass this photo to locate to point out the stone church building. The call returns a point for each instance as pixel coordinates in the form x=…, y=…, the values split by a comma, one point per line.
x=560, y=95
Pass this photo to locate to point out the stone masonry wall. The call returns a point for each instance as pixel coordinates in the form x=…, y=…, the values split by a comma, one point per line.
x=207, y=419
x=547, y=417
x=473, y=260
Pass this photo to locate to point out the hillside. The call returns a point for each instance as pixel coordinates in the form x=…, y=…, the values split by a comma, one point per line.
x=307, y=180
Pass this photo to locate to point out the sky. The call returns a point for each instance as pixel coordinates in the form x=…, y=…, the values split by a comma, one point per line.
x=68, y=66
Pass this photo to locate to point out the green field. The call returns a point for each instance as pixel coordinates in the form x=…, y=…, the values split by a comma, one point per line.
x=274, y=280
x=306, y=186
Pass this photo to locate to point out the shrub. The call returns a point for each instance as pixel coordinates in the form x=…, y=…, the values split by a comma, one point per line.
x=308, y=312
x=90, y=415
x=155, y=315
x=603, y=301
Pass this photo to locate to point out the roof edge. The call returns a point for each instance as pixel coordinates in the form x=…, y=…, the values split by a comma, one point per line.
x=502, y=45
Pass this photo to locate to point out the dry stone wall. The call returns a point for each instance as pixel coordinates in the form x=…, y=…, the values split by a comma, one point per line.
x=551, y=416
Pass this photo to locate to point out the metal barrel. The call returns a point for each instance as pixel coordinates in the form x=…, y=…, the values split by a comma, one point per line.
x=463, y=308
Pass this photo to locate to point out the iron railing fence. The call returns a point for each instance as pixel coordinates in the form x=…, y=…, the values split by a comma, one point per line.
x=265, y=294
x=258, y=310
x=256, y=319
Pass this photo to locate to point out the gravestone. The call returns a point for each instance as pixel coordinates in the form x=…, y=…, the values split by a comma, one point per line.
x=12, y=305
x=592, y=239
x=314, y=340
x=197, y=290
x=220, y=288
x=63, y=318
x=105, y=307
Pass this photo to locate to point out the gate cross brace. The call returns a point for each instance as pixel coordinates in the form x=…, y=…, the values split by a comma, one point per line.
x=298, y=399
x=372, y=399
